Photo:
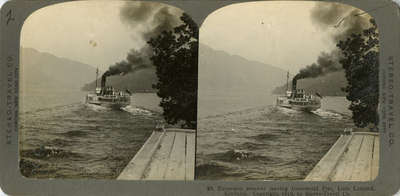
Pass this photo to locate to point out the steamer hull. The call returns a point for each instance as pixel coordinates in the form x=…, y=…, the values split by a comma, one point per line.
x=107, y=96
x=298, y=99
x=301, y=102
x=110, y=99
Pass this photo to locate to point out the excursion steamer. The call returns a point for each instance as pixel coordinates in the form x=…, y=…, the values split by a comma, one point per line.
x=107, y=96
x=299, y=99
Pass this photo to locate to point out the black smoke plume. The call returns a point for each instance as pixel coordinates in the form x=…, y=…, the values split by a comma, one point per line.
x=343, y=20
x=148, y=19
x=154, y=18
x=134, y=61
x=326, y=63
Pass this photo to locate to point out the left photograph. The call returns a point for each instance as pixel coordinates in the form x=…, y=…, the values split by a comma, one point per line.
x=108, y=90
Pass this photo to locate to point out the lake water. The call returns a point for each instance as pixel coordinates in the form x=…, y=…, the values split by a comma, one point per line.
x=62, y=137
x=244, y=136
x=241, y=135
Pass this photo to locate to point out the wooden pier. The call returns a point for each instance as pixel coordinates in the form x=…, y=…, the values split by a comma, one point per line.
x=354, y=157
x=168, y=154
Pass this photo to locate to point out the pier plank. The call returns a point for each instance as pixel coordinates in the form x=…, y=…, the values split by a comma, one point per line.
x=180, y=130
x=323, y=169
x=347, y=162
x=176, y=162
x=375, y=159
x=168, y=154
x=190, y=160
x=157, y=167
x=137, y=166
x=362, y=171
x=358, y=162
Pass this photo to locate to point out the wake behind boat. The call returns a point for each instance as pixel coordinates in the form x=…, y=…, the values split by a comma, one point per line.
x=107, y=96
x=298, y=99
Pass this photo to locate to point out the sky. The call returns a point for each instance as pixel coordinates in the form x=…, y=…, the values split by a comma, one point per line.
x=67, y=30
x=276, y=33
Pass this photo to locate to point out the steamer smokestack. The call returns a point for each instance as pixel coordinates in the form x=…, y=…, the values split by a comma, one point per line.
x=106, y=74
x=103, y=81
x=294, y=85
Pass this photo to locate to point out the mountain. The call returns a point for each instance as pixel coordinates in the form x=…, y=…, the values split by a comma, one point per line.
x=218, y=70
x=46, y=71
x=221, y=71
x=328, y=85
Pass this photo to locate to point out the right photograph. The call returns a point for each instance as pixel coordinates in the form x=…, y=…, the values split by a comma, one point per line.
x=288, y=91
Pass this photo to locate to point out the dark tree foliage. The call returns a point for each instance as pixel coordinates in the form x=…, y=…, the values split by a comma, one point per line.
x=175, y=55
x=361, y=63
